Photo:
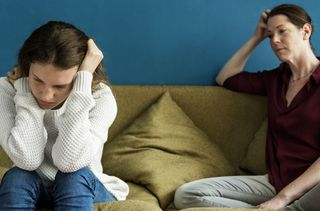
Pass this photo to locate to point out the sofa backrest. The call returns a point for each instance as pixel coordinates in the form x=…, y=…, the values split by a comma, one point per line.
x=229, y=118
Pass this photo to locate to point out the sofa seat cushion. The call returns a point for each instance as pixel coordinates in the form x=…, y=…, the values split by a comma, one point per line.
x=138, y=192
x=223, y=209
x=163, y=149
x=127, y=205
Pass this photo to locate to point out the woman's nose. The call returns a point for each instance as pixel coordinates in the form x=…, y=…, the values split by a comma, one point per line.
x=275, y=39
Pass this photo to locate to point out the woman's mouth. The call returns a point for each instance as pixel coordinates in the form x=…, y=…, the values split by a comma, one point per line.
x=279, y=49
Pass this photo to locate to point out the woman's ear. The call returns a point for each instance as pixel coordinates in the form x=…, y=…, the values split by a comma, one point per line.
x=307, y=31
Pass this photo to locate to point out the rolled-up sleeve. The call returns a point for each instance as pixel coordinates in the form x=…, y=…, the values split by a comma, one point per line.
x=251, y=83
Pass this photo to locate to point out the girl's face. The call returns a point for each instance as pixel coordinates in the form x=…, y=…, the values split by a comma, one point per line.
x=286, y=39
x=51, y=85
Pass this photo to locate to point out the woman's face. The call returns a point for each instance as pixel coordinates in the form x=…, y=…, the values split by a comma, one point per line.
x=50, y=85
x=286, y=39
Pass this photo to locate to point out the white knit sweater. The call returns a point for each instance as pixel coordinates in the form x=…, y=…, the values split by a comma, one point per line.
x=66, y=139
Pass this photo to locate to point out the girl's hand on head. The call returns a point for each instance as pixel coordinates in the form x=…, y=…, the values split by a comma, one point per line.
x=92, y=59
x=261, y=30
x=14, y=75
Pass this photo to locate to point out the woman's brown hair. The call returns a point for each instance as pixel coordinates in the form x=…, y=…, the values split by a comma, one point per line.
x=60, y=44
x=296, y=14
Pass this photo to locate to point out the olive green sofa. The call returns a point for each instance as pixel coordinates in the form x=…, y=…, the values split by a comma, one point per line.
x=165, y=136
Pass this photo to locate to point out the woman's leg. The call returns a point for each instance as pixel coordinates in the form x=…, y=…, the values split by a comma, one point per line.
x=79, y=191
x=234, y=191
x=308, y=202
x=20, y=190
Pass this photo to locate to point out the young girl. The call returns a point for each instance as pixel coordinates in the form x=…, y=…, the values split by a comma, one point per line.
x=293, y=140
x=57, y=109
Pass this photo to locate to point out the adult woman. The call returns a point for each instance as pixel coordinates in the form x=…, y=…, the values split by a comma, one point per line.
x=57, y=109
x=293, y=149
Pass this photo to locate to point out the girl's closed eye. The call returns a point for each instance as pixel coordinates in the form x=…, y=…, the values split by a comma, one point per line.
x=281, y=31
x=37, y=79
x=60, y=86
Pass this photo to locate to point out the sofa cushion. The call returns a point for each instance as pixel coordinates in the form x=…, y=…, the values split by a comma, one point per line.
x=3, y=170
x=163, y=149
x=127, y=205
x=4, y=159
x=222, y=209
x=254, y=161
x=137, y=192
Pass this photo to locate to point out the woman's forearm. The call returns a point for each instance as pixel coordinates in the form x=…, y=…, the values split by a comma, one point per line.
x=237, y=61
x=302, y=184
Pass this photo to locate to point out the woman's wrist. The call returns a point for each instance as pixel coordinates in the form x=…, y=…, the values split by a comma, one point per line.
x=285, y=197
x=255, y=39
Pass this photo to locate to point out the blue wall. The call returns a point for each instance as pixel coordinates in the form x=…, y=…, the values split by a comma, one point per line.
x=151, y=41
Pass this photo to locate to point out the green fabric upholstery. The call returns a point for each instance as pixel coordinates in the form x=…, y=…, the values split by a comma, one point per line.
x=223, y=209
x=3, y=170
x=163, y=149
x=127, y=205
x=138, y=192
x=228, y=120
x=254, y=161
x=4, y=159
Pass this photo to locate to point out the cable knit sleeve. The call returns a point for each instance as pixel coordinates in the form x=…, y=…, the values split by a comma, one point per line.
x=83, y=124
x=23, y=136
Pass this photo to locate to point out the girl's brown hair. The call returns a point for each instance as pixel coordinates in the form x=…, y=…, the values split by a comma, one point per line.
x=60, y=44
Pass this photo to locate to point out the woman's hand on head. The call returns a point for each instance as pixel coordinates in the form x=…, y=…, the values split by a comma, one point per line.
x=92, y=59
x=261, y=30
x=14, y=75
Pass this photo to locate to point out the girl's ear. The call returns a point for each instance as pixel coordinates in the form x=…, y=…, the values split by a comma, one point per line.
x=307, y=31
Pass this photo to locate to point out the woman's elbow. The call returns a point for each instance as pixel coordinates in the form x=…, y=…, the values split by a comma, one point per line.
x=219, y=80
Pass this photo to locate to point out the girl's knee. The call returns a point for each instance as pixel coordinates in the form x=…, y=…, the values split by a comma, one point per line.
x=81, y=172
x=19, y=188
x=17, y=177
x=82, y=176
x=71, y=187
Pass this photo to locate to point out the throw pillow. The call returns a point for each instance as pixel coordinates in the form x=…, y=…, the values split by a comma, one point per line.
x=3, y=170
x=4, y=159
x=254, y=161
x=163, y=149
